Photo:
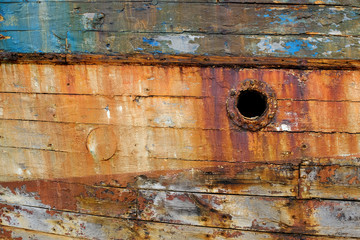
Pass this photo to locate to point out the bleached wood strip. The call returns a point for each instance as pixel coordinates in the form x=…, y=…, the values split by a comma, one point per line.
x=316, y=217
x=103, y=141
x=8, y=233
x=184, y=112
x=94, y=227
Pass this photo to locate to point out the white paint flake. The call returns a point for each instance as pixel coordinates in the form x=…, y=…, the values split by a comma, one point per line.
x=181, y=43
x=334, y=32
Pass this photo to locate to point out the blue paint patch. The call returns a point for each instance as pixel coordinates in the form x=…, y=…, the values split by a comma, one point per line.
x=156, y=51
x=151, y=41
x=284, y=19
x=139, y=49
x=297, y=45
x=266, y=15
x=159, y=8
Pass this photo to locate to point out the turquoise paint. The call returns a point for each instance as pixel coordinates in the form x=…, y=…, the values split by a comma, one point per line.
x=33, y=27
x=151, y=41
x=284, y=19
x=297, y=45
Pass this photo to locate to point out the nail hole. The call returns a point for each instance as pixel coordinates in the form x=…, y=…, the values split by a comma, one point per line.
x=252, y=103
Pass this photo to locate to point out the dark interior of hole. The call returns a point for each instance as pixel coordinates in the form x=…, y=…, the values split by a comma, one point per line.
x=251, y=103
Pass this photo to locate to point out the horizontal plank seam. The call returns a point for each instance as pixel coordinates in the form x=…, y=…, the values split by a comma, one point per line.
x=137, y=96
x=249, y=230
x=179, y=128
x=329, y=165
x=180, y=60
x=134, y=96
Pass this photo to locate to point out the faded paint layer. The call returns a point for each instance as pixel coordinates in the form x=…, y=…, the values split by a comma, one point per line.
x=215, y=29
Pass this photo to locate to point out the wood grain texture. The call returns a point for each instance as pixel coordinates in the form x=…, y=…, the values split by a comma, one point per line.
x=181, y=60
x=275, y=2
x=189, y=144
x=127, y=229
x=181, y=112
x=330, y=181
x=312, y=217
x=176, y=81
x=139, y=17
x=8, y=233
x=334, y=218
x=221, y=29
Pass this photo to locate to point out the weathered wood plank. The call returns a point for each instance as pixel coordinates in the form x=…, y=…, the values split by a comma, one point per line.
x=330, y=218
x=330, y=181
x=8, y=233
x=181, y=60
x=327, y=47
x=172, y=231
x=292, y=116
x=90, y=193
x=140, y=17
x=65, y=223
x=170, y=143
x=133, y=80
x=150, y=173
x=93, y=227
x=74, y=197
x=333, y=218
x=275, y=2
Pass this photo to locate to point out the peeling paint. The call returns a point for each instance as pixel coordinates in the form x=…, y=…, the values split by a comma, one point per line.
x=181, y=43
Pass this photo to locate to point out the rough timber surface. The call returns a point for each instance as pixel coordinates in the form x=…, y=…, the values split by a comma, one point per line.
x=113, y=120
x=307, y=29
x=150, y=151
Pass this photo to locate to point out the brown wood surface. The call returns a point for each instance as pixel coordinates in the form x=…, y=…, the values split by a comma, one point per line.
x=180, y=60
x=19, y=233
x=102, y=151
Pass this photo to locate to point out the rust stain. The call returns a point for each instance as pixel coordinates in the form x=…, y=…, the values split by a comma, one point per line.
x=326, y=173
x=354, y=180
x=172, y=154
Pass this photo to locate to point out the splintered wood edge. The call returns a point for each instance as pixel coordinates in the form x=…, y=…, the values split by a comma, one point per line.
x=186, y=60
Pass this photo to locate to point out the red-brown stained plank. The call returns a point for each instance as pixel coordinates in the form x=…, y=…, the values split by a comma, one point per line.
x=110, y=80
x=79, y=198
